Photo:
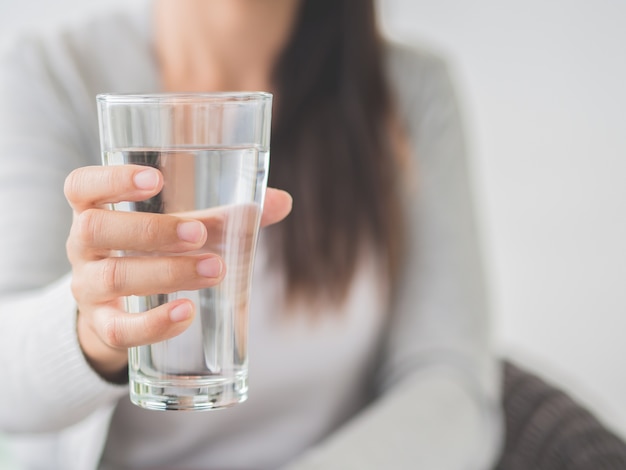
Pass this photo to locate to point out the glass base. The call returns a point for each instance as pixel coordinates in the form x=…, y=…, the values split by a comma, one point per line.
x=188, y=394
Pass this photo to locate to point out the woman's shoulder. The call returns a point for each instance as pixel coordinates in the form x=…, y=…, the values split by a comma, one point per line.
x=94, y=46
x=415, y=69
x=413, y=57
x=420, y=78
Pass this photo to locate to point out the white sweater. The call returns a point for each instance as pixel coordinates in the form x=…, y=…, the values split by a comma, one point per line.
x=423, y=354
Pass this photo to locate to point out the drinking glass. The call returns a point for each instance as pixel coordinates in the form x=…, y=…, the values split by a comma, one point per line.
x=213, y=152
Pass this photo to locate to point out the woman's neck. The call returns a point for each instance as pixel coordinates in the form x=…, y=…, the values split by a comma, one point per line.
x=219, y=45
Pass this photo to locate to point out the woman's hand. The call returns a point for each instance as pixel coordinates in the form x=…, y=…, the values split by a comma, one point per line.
x=100, y=279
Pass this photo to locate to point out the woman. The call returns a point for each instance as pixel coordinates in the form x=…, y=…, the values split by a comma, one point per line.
x=368, y=324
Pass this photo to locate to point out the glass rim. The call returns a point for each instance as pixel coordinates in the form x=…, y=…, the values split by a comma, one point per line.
x=184, y=97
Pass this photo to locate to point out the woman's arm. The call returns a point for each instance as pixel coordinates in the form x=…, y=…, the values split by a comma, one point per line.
x=47, y=384
x=439, y=383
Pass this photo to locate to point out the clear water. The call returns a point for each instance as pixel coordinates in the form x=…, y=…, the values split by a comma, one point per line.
x=206, y=366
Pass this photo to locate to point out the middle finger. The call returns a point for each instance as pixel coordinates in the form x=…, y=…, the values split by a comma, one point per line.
x=117, y=277
x=96, y=230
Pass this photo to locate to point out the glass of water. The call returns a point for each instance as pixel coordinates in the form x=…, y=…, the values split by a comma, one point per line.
x=213, y=152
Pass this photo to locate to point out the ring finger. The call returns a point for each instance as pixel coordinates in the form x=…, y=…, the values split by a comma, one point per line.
x=110, y=278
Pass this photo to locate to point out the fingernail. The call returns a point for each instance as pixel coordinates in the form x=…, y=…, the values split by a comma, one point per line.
x=146, y=179
x=181, y=312
x=190, y=231
x=210, y=267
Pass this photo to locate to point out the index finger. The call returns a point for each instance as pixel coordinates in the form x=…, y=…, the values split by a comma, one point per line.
x=93, y=186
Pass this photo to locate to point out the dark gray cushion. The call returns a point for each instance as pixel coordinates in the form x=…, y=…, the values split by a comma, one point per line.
x=547, y=430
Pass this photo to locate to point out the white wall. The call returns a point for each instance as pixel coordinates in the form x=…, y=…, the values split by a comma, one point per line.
x=543, y=90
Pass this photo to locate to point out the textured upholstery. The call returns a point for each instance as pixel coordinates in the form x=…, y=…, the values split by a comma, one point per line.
x=547, y=430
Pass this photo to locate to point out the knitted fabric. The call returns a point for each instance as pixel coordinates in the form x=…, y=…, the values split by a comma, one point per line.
x=547, y=430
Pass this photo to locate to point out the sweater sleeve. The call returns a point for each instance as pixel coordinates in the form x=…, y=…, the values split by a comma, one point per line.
x=438, y=381
x=46, y=382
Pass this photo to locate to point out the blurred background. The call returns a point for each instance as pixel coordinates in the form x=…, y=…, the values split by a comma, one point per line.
x=543, y=89
x=543, y=85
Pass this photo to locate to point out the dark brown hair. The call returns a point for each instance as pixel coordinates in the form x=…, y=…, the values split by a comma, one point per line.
x=332, y=150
